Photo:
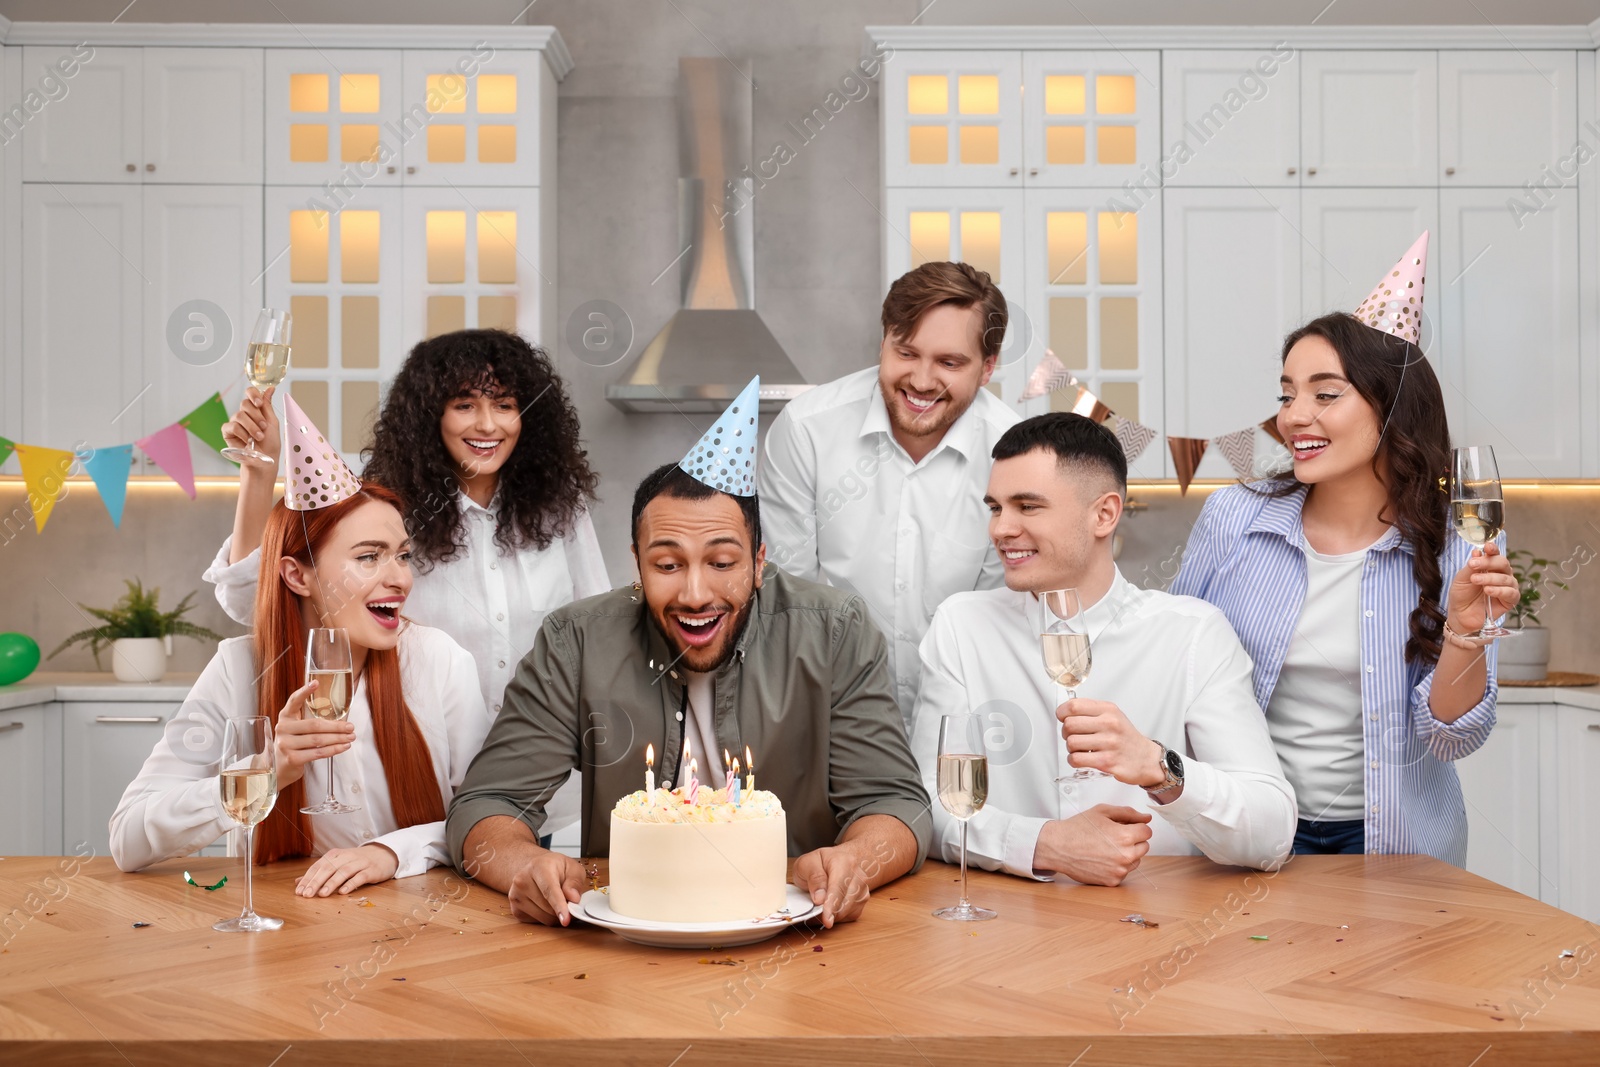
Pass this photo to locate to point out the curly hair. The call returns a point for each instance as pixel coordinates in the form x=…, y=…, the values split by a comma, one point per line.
x=544, y=484
x=1393, y=375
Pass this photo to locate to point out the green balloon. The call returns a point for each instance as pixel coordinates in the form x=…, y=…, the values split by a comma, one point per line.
x=19, y=655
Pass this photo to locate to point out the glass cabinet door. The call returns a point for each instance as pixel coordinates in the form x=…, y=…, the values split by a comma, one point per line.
x=337, y=116
x=1091, y=118
x=953, y=119
x=482, y=117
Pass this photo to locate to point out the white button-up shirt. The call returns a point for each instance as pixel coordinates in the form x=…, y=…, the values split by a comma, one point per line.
x=842, y=503
x=174, y=806
x=491, y=602
x=1173, y=666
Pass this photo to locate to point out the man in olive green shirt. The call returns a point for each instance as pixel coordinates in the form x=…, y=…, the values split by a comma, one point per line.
x=710, y=644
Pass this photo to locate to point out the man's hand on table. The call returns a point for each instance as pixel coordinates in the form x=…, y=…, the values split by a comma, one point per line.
x=541, y=890
x=836, y=878
x=1101, y=846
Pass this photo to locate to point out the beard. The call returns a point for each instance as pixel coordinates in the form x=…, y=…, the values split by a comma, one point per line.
x=712, y=657
x=912, y=427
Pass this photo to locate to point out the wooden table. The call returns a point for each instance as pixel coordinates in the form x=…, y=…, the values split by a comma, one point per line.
x=1360, y=960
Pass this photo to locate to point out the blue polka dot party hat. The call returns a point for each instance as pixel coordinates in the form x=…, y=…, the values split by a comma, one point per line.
x=725, y=458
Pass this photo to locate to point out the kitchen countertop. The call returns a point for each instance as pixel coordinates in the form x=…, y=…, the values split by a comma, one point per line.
x=48, y=687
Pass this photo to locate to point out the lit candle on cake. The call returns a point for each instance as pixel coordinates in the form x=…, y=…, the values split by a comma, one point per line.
x=694, y=780
x=727, y=769
x=649, y=769
x=733, y=784
x=749, y=771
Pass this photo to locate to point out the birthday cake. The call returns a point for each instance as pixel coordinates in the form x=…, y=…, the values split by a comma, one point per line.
x=673, y=860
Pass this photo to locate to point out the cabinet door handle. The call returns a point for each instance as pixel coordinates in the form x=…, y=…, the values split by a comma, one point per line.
x=132, y=168
x=127, y=718
x=413, y=170
x=1449, y=172
x=149, y=166
x=1033, y=172
x=1293, y=171
x=11, y=726
x=1311, y=172
x=391, y=170
x=1013, y=172
x=1593, y=726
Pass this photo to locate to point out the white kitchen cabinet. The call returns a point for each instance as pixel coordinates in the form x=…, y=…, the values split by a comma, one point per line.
x=338, y=115
x=1236, y=115
x=1353, y=237
x=983, y=227
x=93, y=131
x=1503, y=785
x=1505, y=290
x=483, y=127
x=340, y=272
x=149, y=115
x=203, y=115
x=1093, y=290
x=1505, y=116
x=953, y=119
x=1369, y=118
x=30, y=780
x=1231, y=284
x=1577, y=843
x=104, y=744
x=1091, y=118
x=201, y=242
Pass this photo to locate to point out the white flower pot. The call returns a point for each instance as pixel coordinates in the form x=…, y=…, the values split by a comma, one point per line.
x=140, y=659
x=1525, y=657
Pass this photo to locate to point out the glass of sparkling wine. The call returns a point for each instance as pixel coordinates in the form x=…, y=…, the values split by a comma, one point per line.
x=1478, y=512
x=963, y=790
x=1064, y=639
x=249, y=788
x=266, y=362
x=328, y=664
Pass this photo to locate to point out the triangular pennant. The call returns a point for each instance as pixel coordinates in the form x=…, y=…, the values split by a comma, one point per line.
x=6, y=448
x=1271, y=428
x=1186, y=453
x=317, y=476
x=169, y=448
x=1090, y=407
x=109, y=467
x=725, y=456
x=44, y=472
x=1047, y=377
x=1239, y=449
x=1134, y=437
x=205, y=422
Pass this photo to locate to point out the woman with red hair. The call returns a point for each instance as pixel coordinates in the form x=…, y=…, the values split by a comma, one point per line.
x=416, y=715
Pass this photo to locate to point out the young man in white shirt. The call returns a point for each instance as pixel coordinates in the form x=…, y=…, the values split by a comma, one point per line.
x=874, y=482
x=1167, y=710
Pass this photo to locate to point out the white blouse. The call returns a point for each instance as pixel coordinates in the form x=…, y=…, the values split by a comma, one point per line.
x=491, y=602
x=174, y=806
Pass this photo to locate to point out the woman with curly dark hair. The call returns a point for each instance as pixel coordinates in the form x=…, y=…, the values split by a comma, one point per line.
x=496, y=503
x=1334, y=578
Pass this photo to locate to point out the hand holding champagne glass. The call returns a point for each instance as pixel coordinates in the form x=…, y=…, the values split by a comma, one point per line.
x=249, y=782
x=328, y=664
x=963, y=790
x=266, y=362
x=1064, y=638
x=1477, y=511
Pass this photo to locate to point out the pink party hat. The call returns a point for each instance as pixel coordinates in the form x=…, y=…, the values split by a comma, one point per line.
x=1395, y=306
x=317, y=476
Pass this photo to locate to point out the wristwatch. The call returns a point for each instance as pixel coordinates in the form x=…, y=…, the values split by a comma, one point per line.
x=1172, y=764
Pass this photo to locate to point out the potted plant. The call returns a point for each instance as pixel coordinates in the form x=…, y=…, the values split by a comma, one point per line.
x=139, y=633
x=1526, y=657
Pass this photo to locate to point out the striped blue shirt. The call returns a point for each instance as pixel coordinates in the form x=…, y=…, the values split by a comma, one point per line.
x=1247, y=556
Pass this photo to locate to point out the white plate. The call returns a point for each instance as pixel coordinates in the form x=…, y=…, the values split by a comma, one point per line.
x=594, y=907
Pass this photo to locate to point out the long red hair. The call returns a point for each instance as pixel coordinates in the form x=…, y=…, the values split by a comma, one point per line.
x=280, y=644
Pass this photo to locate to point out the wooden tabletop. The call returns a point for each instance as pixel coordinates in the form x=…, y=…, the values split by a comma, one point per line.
x=1334, y=960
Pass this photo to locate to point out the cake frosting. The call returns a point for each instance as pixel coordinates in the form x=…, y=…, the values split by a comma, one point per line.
x=709, y=861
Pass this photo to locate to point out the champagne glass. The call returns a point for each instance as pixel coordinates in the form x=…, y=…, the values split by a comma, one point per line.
x=1064, y=638
x=328, y=664
x=963, y=789
x=1478, y=512
x=249, y=789
x=266, y=362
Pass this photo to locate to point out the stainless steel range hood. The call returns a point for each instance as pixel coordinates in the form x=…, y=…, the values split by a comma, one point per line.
x=716, y=342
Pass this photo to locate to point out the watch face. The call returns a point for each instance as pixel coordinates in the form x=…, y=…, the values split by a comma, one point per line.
x=1174, y=764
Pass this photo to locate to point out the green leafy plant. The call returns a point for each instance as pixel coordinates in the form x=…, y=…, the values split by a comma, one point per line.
x=137, y=614
x=1528, y=570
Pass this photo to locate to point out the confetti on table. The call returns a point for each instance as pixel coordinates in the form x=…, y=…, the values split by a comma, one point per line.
x=363, y=902
x=1140, y=920
x=724, y=962
x=585, y=974
x=187, y=877
x=137, y=926
x=397, y=979
x=1259, y=937
x=1566, y=954
x=818, y=948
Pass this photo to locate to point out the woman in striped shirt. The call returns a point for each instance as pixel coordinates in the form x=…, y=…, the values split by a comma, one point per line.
x=1335, y=579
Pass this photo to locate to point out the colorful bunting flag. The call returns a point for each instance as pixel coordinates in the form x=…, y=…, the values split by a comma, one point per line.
x=1271, y=426
x=1239, y=449
x=205, y=422
x=1090, y=407
x=1186, y=453
x=1047, y=377
x=109, y=467
x=170, y=450
x=1134, y=437
x=6, y=448
x=44, y=472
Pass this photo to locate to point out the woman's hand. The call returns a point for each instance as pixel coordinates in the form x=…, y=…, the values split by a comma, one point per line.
x=340, y=870
x=302, y=740
x=255, y=421
x=1486, y=571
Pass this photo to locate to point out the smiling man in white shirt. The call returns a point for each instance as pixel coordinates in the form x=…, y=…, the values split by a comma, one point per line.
x=874, y=482
x=1167, y=709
